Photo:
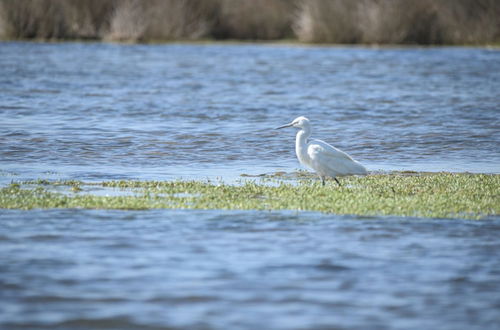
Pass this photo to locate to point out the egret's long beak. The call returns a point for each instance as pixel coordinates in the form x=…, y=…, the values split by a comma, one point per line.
x=285, y=126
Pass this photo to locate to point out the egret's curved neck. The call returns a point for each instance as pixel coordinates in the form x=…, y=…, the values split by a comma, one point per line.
x=301, y=145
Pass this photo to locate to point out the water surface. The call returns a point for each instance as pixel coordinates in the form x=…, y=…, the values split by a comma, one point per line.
x=165, y=269
x=101, y=111
x=97, y=112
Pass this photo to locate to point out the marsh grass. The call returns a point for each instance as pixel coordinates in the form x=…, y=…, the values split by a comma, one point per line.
x=442, y=195
x=135, y=20
x=398, y=21
x=314, y=21
x=255, y=20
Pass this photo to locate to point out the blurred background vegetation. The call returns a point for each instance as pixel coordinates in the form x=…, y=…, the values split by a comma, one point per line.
x=312, y=21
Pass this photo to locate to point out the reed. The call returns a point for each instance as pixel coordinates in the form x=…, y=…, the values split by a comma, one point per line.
x=312, y=21
x=399, y=21
x=327, y=21
x=470, y=22
x=255, y=20
x=135, y=20
x=54, y=19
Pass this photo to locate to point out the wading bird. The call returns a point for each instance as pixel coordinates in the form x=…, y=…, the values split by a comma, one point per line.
x=323, y=158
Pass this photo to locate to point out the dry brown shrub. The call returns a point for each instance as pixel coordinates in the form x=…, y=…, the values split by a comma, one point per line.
x=33, y=19
x=53, y=19
x=399, y=21
x=88, y=18
x=136, y=20
x=181, y=19
x=470, y=22
x=255, y=19
x=319, y=21
x=128, y=21
x=327, y=21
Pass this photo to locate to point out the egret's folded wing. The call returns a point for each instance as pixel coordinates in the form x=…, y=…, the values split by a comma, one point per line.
x=316, y=146
x=332, y=161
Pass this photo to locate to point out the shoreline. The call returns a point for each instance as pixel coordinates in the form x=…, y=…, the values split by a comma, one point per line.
x=242, y=42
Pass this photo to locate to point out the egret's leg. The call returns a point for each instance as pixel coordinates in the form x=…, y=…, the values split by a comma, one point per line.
x=338, y=182
x=322, y=180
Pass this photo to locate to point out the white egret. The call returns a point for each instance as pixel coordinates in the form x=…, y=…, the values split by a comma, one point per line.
x=324, y=159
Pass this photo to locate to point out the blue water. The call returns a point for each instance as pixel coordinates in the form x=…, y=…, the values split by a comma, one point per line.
x=164, y=269
x=95, y=112
x=101, y=111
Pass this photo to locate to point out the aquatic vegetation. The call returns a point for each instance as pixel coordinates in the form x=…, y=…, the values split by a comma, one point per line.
x=438, y=195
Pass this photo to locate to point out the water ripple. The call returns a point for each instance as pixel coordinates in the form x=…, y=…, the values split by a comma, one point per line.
x=245, y=269
x=197, y=107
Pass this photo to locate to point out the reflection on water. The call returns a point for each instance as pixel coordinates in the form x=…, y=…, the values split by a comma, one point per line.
x=206, y=269
x=100, y=111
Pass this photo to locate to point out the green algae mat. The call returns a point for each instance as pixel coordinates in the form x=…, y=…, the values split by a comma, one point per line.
x=437, y=195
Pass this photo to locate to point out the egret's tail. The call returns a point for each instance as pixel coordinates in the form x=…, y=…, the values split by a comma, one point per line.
x=358, y=169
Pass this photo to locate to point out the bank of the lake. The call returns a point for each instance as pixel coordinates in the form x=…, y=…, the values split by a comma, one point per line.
x=347, y=21
x=433, y=195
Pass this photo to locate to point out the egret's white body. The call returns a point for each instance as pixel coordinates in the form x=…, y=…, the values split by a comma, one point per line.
x=324, y=159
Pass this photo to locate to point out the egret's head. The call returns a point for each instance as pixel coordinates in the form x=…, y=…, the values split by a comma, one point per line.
x=299, y=122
